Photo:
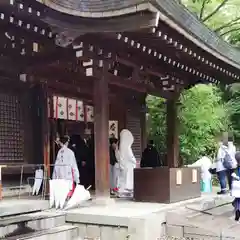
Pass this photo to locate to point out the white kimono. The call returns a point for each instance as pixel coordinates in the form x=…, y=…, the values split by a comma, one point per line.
x=127, y=161
x=117, y=166
x=65, y=164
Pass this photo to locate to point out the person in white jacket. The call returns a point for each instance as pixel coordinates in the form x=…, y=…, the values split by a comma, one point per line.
x=232, y=152
x=127, y=163
x=224, y=148
x=65, y=166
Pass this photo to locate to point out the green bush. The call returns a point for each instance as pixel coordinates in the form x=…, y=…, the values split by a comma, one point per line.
x=202, y=117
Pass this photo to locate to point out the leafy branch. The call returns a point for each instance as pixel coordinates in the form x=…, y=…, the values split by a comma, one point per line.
x=224, y=2
x=205, y=2
x=230, y=31
x=228, y=24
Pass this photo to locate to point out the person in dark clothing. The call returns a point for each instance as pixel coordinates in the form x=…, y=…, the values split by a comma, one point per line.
x=87, y=160
x=82, y=151
x=75, y=142
x=113, y=161
x=150, y=156
x=91, y=158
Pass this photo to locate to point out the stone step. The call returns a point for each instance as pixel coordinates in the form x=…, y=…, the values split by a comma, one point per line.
x=13, y=207
x=33, y=222
x=207, y=220
x=211, y=227
x=64, y=232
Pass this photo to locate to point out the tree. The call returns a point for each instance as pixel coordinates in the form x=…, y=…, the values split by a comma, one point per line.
x=156, y=121
x=221, y=16
x=202, y=117
x=231, y=95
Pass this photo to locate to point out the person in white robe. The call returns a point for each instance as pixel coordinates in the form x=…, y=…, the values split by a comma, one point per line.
x=127, y=163
x=205, y=164
x=117, y=166
x=65, y=166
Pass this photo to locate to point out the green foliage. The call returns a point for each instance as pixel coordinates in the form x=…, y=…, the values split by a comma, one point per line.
x=202, y=117
x=156, y=121
x=204, y=111
x=231, y=95
x=222, y=16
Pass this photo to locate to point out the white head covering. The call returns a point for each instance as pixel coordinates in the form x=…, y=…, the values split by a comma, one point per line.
x=126, y=139
x=128, y=161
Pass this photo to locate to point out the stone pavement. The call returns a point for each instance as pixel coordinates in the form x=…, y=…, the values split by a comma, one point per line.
x=124, y=219
x=204, y=220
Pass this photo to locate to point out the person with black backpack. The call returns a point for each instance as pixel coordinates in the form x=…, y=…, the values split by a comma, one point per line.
x=226, y=164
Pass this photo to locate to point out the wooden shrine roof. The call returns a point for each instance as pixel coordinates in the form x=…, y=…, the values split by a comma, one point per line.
x=171, y=12
x=145, y=45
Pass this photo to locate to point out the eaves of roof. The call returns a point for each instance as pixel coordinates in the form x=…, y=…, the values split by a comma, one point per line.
x=171, y=12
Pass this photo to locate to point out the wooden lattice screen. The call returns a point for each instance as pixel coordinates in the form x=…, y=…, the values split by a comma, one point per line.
x=11, y=129
x=133, y=124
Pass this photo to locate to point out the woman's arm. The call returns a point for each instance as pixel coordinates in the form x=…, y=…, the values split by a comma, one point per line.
x=76, y=174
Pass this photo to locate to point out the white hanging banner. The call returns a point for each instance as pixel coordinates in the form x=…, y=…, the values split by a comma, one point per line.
x=71, y=109
x=61, y=108
x=89, y=113
x=55, y=102
x=79, y=111
x=48, y=107
x=72, y=105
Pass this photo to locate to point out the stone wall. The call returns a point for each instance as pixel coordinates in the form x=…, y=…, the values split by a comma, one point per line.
x=145, y=228
x=196, y=233
x=187, y=232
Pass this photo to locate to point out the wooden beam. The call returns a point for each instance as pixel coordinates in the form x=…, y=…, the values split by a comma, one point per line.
x=134, y=83
x=129, y=56
x=126, y=49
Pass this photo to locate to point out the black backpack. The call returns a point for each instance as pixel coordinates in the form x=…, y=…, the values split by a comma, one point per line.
x=228, y=162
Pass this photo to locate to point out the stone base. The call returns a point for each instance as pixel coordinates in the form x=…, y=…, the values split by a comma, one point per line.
x=124, y=219
x=103, y=201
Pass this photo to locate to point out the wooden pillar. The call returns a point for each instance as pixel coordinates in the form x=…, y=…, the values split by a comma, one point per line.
x=172, y=134
x=45, y=128
x=143, y=121
x=143, y=130
x=101, y=119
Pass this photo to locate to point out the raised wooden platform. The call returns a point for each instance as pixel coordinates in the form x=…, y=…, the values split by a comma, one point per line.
x=166, y=185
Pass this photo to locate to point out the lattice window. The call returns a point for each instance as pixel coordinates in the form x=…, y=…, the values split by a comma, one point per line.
x=11, y=129
x=134, y=126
